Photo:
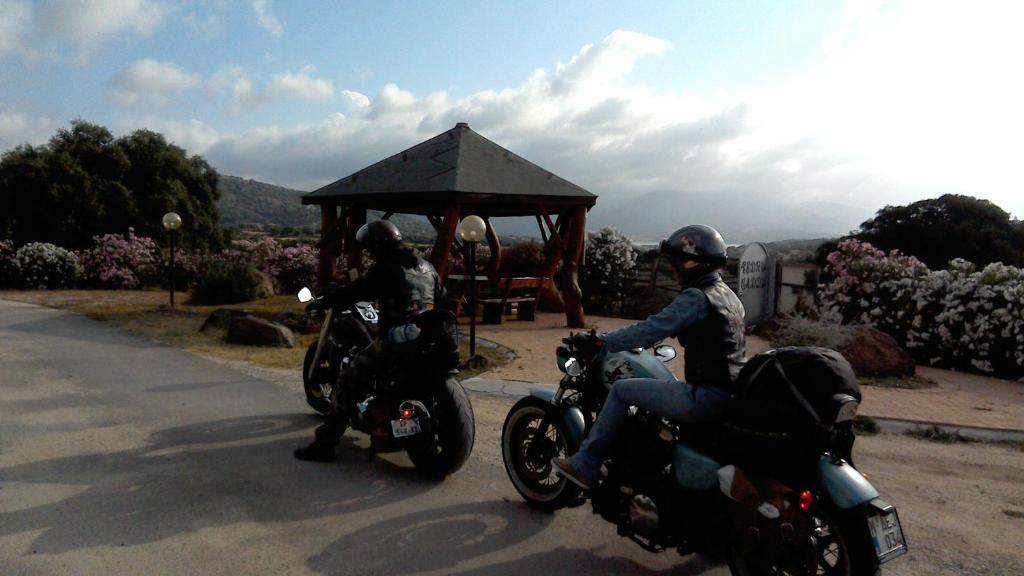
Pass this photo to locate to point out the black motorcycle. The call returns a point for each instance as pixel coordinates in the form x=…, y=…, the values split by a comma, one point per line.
x=765, y=504
x=414, y=402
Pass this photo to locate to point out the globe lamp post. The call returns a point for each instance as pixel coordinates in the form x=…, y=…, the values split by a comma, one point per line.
x=472, y=230
x=171, y=223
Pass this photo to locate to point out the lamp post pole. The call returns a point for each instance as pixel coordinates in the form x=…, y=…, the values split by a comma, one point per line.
x=471, y=247
x=472, y=230
x=172, y=222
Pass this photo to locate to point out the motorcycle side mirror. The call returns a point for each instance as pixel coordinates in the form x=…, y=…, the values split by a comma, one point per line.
x=665, y=352
x=305, y=295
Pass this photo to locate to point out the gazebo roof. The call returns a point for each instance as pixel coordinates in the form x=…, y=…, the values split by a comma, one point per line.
x=458, y=165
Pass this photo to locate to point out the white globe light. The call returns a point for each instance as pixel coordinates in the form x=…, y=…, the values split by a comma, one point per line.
x=472, y=229
x=172, y=221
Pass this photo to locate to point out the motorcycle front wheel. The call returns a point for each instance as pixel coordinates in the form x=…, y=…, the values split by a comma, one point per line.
x=527, y=452
x=838, y=550
x=318, y=387
x=447, y=441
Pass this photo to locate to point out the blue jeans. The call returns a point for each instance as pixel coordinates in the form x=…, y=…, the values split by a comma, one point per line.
x=680, y=402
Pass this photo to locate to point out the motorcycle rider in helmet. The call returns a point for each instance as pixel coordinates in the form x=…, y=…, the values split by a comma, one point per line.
x=404, y=285
x=707, y=319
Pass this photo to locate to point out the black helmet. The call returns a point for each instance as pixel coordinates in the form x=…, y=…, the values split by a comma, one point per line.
x=697, y=242
x=379, y=237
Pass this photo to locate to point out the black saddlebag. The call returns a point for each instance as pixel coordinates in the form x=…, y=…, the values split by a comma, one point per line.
x=439, y=337
x=786, y=408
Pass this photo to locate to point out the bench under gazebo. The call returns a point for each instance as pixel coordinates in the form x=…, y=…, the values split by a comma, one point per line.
x=452, y=175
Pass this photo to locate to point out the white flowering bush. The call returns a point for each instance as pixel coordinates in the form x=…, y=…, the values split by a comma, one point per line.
x=42, y=265
x=959, y=318
x=608, y=270
x=117, y=261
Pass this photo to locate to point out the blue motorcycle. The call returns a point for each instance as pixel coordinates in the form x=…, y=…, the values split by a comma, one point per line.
x=665, y=486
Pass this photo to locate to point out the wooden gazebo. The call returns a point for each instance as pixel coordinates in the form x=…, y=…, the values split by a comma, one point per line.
x=452, y=175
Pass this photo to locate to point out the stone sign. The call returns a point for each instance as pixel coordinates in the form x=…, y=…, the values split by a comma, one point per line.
x=755, y=282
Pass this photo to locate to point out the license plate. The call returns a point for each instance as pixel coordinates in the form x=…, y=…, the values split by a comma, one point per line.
x=402, y=428
x=887, y=534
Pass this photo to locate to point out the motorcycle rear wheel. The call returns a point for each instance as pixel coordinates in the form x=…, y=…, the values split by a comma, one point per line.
x=447, y=441
x=841, y=551
x=527, y=457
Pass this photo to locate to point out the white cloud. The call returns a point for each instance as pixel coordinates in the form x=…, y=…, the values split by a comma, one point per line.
x=148, y=82
x=233, y=82
x=906, y=101
x=266, y=20
x=300, y=85
x=194, y=136
x=15, y=20
x=17, y=128
x=50, y=27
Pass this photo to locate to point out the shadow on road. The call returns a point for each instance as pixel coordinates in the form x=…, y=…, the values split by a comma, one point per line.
x=437, y=540
x=431, y=539
x=192, y=477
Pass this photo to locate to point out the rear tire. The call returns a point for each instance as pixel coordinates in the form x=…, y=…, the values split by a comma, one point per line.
x=447, y=442
x=844, y=548
x=528, y=458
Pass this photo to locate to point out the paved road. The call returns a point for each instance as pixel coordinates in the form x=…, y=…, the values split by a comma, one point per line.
x=122, y=456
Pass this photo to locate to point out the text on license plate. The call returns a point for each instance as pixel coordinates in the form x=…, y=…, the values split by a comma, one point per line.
x=402, y=428
x=887, y=535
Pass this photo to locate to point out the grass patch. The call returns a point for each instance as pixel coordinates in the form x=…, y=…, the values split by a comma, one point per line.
x=936, y=434
x=905, y=383
x=865, y=425
x=144, y=313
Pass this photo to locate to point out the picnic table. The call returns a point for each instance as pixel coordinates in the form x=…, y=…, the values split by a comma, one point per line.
x=500, y=297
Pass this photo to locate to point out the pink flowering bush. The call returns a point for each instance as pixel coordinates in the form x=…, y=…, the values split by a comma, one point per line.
x=293, y=267
x=117, y=261
x=958, y=318
x=42, y=265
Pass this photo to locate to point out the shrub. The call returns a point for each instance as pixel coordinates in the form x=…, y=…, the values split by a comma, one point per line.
x=227, y=281
x=260, y=253
x=8, y=268
x=116, y=261
x=293, y=267
x=608, y=270
x=523, y=259
x=959, y=318
x=42, y=265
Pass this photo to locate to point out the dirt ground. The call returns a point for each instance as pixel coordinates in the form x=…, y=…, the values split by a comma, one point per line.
x=961, y=505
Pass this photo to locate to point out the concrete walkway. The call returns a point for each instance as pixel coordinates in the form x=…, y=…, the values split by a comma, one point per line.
x=959, y=401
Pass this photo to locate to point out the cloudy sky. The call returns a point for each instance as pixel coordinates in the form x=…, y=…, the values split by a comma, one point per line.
x=767, y=120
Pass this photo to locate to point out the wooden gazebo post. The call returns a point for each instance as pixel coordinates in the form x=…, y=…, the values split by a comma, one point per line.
x=330, y=239
x=445, y=238
x=569, y=277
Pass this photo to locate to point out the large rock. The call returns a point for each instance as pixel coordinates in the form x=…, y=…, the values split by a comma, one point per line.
x=221, y=318
x=872, y=352
x=253, y=331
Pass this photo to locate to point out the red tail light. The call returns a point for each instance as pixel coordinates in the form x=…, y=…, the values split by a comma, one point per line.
x=407, y=413
x=806, y=499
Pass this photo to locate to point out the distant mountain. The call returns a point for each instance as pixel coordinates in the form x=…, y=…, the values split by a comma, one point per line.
x=245, y=202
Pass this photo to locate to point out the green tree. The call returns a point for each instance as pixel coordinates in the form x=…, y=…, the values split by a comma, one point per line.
x=951, y=226
x=84, y=182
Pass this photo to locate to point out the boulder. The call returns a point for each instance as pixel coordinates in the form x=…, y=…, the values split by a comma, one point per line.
x=221, y=318
x=253, y=331
x=299, y=322
x=872, y=352
x=265, y=287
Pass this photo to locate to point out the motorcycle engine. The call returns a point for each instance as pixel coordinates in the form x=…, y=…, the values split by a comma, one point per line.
x=643, y=516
